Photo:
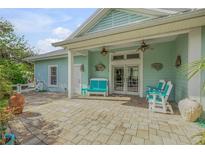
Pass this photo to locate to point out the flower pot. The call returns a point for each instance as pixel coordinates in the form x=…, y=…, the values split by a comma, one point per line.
x=8, y=139
x=16, y=102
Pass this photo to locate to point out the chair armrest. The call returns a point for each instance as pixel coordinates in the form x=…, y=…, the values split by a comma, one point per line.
x=158, y=95
x=154, y=91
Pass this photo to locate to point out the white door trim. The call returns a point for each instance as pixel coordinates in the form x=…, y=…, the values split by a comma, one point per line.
x=136, y=62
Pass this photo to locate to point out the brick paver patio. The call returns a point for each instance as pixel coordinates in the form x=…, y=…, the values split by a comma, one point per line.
x=54, y=119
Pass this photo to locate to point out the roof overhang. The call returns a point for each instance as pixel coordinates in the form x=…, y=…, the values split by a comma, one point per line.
x=167, y=24
x=48, y=57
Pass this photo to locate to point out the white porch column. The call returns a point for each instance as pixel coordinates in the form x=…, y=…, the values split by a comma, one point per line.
x=70, y=73
x=141, y=75
x=194, y=53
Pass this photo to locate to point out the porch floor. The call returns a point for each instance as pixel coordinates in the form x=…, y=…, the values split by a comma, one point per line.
x=51, y=118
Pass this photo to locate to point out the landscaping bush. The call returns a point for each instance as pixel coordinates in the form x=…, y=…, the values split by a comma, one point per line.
x=17, y=73
x=5, y=85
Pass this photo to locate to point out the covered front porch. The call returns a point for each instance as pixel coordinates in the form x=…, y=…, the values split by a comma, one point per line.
x=129, y=70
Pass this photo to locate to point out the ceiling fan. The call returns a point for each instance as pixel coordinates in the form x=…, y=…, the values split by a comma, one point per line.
x=143, y=47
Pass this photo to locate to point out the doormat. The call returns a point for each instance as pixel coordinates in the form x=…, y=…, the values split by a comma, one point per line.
x=201, y=122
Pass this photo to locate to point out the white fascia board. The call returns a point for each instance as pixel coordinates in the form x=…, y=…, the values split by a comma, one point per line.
x=86, y=24
x=45, y=58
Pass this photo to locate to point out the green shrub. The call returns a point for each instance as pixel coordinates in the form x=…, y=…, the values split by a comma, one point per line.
x=17, y=73
x=5, y=85
x=3, y=103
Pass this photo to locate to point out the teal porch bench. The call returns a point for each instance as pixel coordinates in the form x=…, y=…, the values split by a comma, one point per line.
x=98, y=86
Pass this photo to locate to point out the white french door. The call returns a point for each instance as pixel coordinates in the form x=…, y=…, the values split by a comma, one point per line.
x=125, y=79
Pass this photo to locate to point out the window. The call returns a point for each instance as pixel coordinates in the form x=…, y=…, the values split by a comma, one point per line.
x=53, y=75
x=133, y=56
x=118, y=57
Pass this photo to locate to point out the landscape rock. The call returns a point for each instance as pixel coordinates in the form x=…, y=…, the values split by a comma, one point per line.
x=190, y=109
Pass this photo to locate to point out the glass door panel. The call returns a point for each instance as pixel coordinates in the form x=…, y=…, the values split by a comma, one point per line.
x=119, y=79
x=132, y=78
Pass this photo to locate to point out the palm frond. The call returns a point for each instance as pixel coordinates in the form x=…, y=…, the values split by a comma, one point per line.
x=195, y=68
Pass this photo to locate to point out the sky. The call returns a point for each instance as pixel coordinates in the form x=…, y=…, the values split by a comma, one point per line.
x=41, y=27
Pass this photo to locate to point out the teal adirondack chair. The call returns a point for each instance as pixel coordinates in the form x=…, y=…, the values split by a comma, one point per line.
x=158, y=100
x=160, y=86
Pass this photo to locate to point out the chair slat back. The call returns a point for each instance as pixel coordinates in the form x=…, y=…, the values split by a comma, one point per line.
x=94, y=84
x=98, y=83
x=161, y=84
x=167, y=89
x=103, y=84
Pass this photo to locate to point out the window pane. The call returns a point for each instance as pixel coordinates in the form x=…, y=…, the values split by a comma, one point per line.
x=53, y=70
x=53, y=75
x=118, y=57
x=133, y=56
x=53, y=80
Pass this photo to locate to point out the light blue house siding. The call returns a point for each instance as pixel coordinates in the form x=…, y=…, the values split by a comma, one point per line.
x=41, y=73
x=96, y=58
x=162, y=53
x=166, y=53
x=181, y=81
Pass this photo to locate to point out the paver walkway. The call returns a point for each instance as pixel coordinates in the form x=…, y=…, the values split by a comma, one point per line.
x=54, y=119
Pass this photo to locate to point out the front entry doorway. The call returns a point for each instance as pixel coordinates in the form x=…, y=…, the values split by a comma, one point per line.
x=126, y=79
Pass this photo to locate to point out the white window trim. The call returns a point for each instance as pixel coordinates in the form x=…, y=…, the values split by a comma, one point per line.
x=49, y=72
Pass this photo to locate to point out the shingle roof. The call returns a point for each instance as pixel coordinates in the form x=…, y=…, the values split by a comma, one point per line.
x=52, y=54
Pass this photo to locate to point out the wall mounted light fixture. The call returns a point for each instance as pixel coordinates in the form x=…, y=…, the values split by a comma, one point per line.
x=178, y=61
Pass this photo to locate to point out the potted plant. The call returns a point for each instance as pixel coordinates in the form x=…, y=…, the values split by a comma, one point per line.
x=6, y=114
x=16, y=102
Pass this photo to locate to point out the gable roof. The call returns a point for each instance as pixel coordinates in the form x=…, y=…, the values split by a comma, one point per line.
x=102, y=13
x=154, y=14
x=114, y=18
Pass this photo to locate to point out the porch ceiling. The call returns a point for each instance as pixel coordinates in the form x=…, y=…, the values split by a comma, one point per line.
x=132, y=44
